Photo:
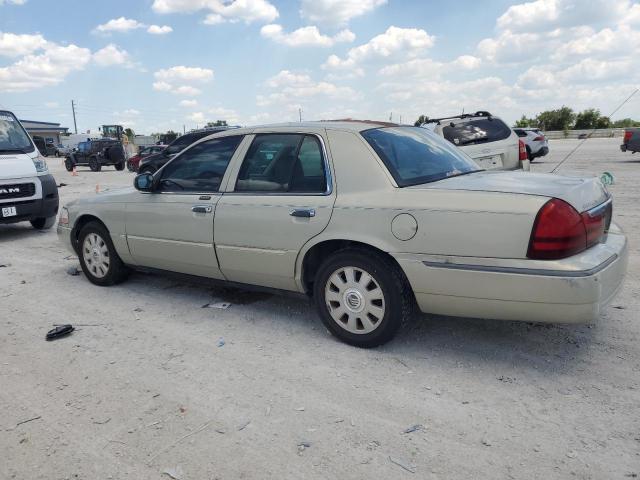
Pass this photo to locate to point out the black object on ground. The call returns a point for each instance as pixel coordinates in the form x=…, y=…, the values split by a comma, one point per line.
x=60, y=331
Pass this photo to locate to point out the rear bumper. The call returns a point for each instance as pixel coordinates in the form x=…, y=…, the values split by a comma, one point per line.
x=45, y=206
x=542, y=152
x=573, y=290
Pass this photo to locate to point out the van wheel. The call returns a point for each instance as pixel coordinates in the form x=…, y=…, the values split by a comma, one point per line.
x=98, y=257
x=529, y=154
x=120, y=166
x=363, y=298
x=43, y=223
x=94, y=165
x=68, y=164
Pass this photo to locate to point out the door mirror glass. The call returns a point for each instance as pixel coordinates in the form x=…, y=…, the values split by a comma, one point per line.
x=144, y=182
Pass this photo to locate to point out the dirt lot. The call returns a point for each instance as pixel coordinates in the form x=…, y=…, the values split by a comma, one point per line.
x=147, y=388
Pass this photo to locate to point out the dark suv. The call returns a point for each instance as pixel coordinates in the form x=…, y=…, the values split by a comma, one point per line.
x=153, y=163
x=96, y=153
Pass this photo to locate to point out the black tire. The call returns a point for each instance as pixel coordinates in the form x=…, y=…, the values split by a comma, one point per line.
x=68, y=164
x=397, y=295
x=130, y=167
x=57, y=153
x=116, y=272
x=120, y=166
x=94, y=164
x=529, y=154
x=147, y=169
x=43, y=223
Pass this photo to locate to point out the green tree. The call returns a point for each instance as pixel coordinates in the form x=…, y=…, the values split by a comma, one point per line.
x=587, y=119
x=217, y=123
x=421, y=119
x=562, y=118
x=626, y=123
x=525, y=122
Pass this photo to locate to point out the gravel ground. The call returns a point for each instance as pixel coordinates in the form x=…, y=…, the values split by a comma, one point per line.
x=143, y=386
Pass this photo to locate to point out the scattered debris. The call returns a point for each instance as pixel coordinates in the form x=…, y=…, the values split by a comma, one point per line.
x=486, y=442
x=300, y=409
x=4, y=265
x=61, y=184
x=182, y=410
x=620, y=307
x=73, y=271
x=221, y=430
x=102, y=422
x=302, y=446
x=138, y=309
x=59, y=332
x=504, y=379
x=244, y=425
x=152, y=424
x=28, y=420
x=169, y=447
x=607, y=178
x=414, y=428
x=176, y=472
x=221, y=342
x=405, y=465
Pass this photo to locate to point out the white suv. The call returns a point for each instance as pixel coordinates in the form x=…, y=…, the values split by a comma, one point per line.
x=485, y=138
x=535, y=142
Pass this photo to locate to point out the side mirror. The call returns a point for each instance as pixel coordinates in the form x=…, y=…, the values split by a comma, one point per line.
x=144, y=182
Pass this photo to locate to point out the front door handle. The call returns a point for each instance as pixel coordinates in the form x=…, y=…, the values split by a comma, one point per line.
x=303, y=212
x=201, y=209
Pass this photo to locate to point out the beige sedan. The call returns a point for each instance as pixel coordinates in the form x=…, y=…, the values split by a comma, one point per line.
x=372, y=220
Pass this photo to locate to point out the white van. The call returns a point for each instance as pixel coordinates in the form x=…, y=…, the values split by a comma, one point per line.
x=28, y=192
x=485, y=138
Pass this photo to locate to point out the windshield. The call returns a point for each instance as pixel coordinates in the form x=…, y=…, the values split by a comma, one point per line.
x=477, y=131
x=13, y=138
x=415, y=155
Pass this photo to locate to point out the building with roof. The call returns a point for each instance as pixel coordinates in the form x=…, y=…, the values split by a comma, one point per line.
x=51, y=132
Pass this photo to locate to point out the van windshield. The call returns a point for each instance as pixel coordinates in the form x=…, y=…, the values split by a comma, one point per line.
x=13, y=138
x=415, y=155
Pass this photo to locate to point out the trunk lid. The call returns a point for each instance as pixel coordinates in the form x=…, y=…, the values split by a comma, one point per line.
x=580, y=192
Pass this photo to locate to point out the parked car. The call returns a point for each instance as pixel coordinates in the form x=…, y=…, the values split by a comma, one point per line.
x=134, y=162
x=96, y=154
x=153, y=163
x=535, y=142
x=631, y=140
x=484, y=137
x=61, y=150
x=28, y=192
x=288, y=207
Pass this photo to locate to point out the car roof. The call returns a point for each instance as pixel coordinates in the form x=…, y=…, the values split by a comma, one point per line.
x=348, y=125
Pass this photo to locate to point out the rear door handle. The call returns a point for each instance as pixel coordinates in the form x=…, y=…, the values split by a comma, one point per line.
x=201, y=209
x=303, y=212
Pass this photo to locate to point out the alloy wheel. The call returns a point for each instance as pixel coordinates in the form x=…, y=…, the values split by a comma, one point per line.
x=95, y=253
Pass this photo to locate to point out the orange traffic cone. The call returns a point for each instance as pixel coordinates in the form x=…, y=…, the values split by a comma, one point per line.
x=74, y=172
x=97, y=188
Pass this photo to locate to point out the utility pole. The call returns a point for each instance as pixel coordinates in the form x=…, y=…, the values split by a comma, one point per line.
x=300, y=114
x=184, y=130
x=73, y=110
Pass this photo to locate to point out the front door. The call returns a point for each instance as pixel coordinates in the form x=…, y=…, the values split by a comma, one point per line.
x=171, y=228
x=281, y=197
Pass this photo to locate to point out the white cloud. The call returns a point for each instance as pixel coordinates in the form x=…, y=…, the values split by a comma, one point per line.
x=220, y=11
x=180, y=80
x=48, y=68
x=12, y=2
x=197, y=117
x=112, y=55
x=121, y=24
x=188, y=103
x=159, y=30
x=337, y=12
x=51, y=104
x=605, y=43
x=16, y=45
x=305, y=36
x=395, y=41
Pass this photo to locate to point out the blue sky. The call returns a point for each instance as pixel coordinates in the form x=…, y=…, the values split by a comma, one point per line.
x=155, y=65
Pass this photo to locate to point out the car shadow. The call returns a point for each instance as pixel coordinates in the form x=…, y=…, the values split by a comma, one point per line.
x=18, y=231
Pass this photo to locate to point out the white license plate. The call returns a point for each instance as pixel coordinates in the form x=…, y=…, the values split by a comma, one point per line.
x=9, y=211
x=490, y=162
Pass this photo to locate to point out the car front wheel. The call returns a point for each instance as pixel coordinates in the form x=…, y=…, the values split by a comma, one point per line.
x=94, y=165
x=362, y=297
x=98, y=258
x=120, y=166
x=43, y=223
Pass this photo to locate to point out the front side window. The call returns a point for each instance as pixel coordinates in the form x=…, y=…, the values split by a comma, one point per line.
x=414, y=155
x=201, y=167
x=477, y=131
x=288, y=163
x=13, y=137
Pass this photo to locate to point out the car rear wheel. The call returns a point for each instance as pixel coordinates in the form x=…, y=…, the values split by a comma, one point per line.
x=94, y=165
x=120, y=166
x=98, y=258
x=43, y=223
x=362, y=297
x=68, y=164
x=131, y=167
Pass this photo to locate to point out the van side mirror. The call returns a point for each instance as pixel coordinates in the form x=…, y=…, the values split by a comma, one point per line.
x=144, y=182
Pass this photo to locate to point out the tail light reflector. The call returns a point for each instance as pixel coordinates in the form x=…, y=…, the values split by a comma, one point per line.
x=522, y=151
x=627, y=136
x=559, y=231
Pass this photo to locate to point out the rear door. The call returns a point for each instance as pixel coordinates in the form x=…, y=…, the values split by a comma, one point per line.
x=280, y=197
x=489, y=141
x=172, y=228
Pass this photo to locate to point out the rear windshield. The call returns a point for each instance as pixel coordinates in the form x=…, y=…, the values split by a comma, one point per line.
x=13, y=138
x=477, y=131
x=415, y=155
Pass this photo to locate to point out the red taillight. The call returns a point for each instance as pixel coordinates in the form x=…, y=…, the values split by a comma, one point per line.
x=539, y=138
x=627, y=136
x=522, y=155
x=559, y=231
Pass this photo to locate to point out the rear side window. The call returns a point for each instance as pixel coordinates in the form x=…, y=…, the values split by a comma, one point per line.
x=472, y=132
x=520, y=133
x=290, y=163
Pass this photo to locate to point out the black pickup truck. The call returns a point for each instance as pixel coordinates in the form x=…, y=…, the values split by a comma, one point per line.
x=96, y=154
